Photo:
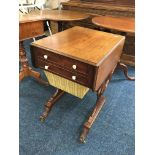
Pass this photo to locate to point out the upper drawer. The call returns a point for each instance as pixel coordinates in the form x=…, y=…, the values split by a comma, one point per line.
x=78, y=78
x=59, y=60
x=30, y=30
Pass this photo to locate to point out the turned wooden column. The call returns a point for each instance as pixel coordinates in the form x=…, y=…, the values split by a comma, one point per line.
x=25, y=69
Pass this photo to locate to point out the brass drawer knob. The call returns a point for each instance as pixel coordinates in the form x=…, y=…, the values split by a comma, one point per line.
x=74, y=66
x=73, y=77
x=46, y=67
x=45, y=56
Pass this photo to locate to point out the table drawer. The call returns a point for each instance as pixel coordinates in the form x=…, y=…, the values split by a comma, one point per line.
x=63, y=66
x=62, y=61
x=30, y=30
x=63, y=72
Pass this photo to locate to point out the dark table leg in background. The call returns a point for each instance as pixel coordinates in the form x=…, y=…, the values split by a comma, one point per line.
x=60, y=26
x=124, y=68
x=25, y=69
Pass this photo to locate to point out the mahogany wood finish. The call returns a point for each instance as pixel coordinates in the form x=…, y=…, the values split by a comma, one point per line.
x=116, y=2
x=48, y=106
x=125, y=70
x=62, y=66
x=87, y=49
x=80, y=46
x=32, y=25
x=30, y=29
x=102, y=7
x=115, y=8
x=54, y=15
x=87, y=125
x=99, y=104
x=25, y=69
x=60, y=16
x=80, y=43
x=58, y=60
x=122, y=24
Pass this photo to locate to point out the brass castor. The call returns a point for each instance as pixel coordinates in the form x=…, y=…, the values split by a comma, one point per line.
x=84, y=135
x=42, y=119
x=82, y=140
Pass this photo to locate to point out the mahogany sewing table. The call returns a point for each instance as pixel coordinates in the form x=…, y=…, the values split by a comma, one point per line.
x=123, y=25
x=32, y=25
x=82, y=55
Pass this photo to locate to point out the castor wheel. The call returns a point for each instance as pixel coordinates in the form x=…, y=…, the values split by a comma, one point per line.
x=42, y=119
x=82, y=140
x=84, y=135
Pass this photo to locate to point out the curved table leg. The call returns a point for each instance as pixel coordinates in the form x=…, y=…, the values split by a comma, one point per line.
x=87, y=125
x=99, y=104
x=125, y=70
x=50, y=103
x=25, y=69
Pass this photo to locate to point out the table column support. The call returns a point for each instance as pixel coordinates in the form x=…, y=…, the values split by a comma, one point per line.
x=25, y=69
x=99, y=104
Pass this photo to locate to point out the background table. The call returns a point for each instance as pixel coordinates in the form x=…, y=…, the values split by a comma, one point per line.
x=124, y=26
x=29, y=27
x=121, y=24
x=61, y=16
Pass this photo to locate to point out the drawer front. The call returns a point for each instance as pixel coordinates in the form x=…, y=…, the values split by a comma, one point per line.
x=64, y=62
x=73, y=76
x=30, y=30
x=63, y=66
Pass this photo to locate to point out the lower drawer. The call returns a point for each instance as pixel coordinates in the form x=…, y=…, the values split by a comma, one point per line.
x=73, y=76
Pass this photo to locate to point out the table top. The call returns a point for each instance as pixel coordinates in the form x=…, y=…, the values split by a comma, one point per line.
x=123, y=24
x=83, y=44
x=55, y=15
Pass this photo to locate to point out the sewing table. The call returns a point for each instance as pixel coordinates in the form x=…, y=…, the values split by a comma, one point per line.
x=80, y=55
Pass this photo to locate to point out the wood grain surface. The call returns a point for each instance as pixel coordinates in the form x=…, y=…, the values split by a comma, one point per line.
x=123, y=24
x=83, y=44
x=54, y=15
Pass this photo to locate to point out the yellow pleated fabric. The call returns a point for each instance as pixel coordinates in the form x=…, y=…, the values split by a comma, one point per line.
x=66, y=85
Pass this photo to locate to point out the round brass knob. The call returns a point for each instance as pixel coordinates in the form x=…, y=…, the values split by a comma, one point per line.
x=45, y=56
x=46, y=67
x=74, y=66
x=74, y=77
